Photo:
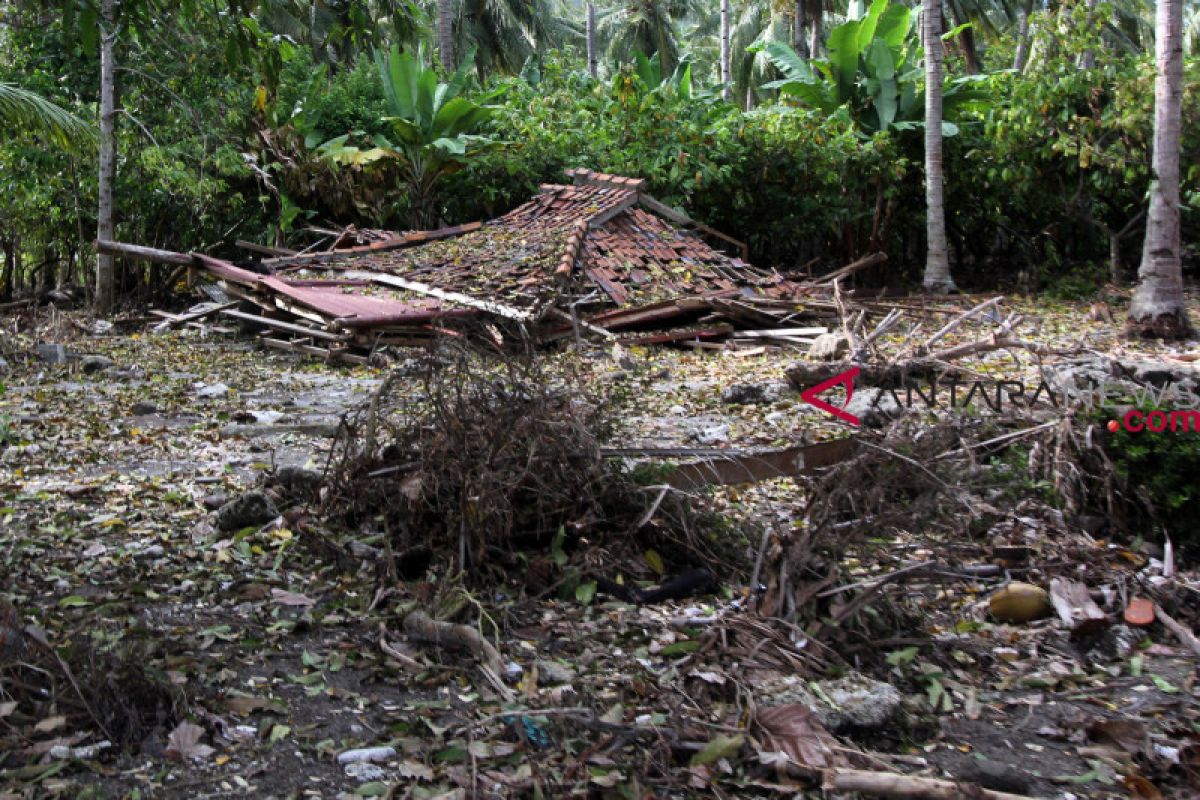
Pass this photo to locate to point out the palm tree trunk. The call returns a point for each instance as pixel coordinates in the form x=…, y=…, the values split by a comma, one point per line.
x=799, y=41
x=726, y=90
x=105, y=278
x=445, y=10
x=937, y=264
x=591, y=39
x=1022, y=54
x=1157, y=308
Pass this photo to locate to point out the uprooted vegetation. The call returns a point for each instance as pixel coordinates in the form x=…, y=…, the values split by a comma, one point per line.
x=492, y=465
x=508, y=631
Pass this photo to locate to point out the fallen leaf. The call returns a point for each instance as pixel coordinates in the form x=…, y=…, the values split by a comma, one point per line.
x=1128, y=734
x=50, y=724
x=184, y=743
x=795, y=730
x=285, y=598
x=718, y=748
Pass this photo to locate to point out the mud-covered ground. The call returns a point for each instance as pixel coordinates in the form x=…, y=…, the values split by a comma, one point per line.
x=107, y=542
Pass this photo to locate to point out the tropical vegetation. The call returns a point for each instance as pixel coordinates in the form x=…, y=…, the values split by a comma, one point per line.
x=802, y=129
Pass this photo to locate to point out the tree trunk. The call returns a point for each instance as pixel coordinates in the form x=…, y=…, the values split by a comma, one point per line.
x=814, y=35
x=1087, y=60
x=591, y=39
x=799, y=40
x=108, y=157
x=937, y=264
x=966, y=42
x=446, y=34
x=1157, y=308
x=726, y=89
x=1022, y=54
x=6, y=276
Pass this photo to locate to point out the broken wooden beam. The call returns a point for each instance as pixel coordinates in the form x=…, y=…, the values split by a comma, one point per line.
x=289, y=327
x=723, y=467
x=139, y=253
x=308, y=349
x=491, y=307
x=255, y=247
x=855, y=266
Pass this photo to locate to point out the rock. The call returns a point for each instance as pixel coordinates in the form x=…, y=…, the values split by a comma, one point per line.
x=366, y=754
x=711, y=435
x=829, y=347
x=297, y=481
x=363, y=772
x=212, y=502
x=859, y=702
x=997, y=776
x=92, y=364
x=3, y=366
x=874, y=408
x=551, y=672
x=250, y=510
x=1115, y=643
x=143, y=408
x=853, y=702
x=749, y=394
x=212, y=390
x=55, y=354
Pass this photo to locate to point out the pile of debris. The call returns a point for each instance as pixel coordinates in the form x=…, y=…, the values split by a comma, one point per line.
x=599, y=257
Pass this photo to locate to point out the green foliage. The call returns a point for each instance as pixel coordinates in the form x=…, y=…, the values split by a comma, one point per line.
x=22, y=110
x=1160, y=471
x=434, y=125
x=871, y=74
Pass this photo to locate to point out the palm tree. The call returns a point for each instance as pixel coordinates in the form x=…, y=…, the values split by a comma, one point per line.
x=646, y=26
x=726, y=92
x=1157, y=308
x=505, y=33
x=21, y=109
x=445, y=27
x=937, y=263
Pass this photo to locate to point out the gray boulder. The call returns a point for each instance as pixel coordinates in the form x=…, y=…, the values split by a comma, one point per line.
x=829, y=347
x=250, y=510
x=851, y=703
x=875, y=408
x=93, y=364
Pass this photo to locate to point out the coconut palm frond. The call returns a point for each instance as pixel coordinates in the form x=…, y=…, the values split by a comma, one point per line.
x=21, y=109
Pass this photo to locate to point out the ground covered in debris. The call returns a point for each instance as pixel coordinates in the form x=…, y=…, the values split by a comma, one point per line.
x=198, y=601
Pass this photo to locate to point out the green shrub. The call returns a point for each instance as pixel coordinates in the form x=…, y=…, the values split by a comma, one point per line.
x=1159, y=470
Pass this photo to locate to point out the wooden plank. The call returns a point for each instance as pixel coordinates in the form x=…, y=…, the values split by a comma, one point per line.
x=254, y=247
x=307, y=349
x=192, y=315
x=773, y=332
x=716, y=466
x=139, y=253
x=761, y=466
x=404, y=240
x=279, y=324
x=499, y=309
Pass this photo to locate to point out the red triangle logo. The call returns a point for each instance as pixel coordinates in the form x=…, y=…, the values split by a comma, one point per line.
x=841, y=379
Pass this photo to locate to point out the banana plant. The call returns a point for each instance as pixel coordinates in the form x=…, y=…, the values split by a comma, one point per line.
x=870, y=74
x=433, y=129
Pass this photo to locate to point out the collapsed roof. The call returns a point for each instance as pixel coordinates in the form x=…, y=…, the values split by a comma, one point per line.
x=596, y=257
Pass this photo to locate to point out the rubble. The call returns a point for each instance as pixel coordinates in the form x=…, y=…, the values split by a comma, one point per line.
x=599, y=258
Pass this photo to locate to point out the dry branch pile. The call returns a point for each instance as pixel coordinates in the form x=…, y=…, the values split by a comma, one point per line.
x=489, y=458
